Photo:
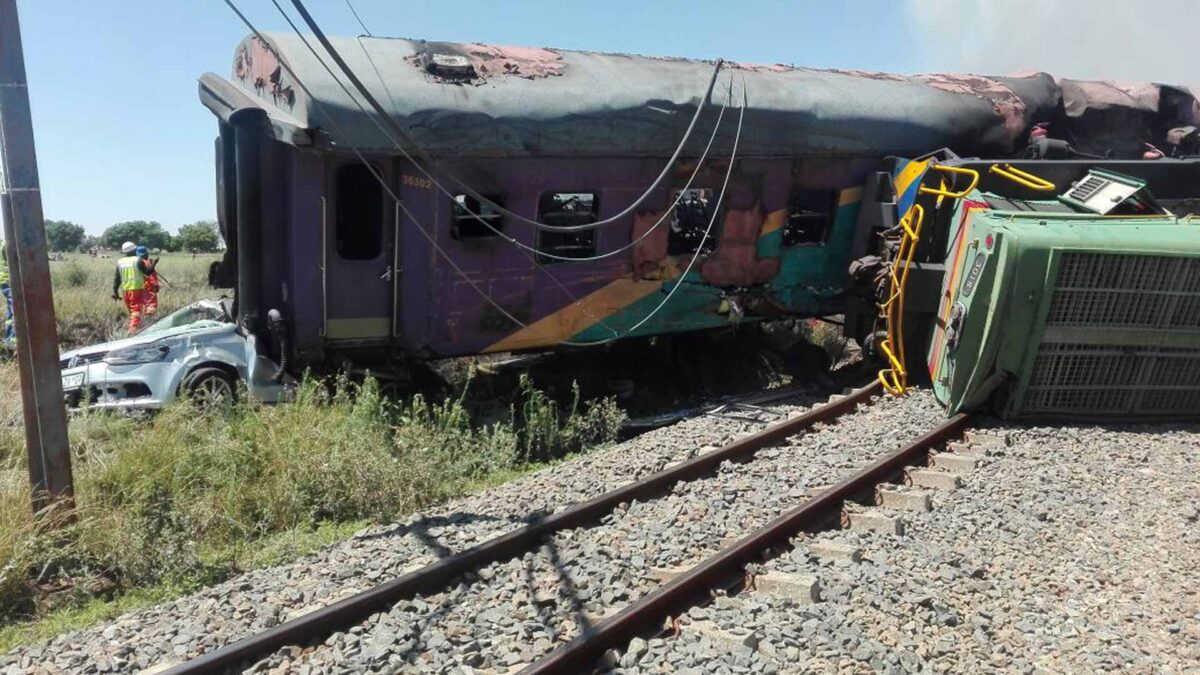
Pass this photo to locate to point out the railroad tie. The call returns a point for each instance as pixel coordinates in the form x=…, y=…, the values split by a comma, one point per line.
x=965, y=449
x=735, y=640
x=931, y=478
x=798, y=587
x=872, y=521
x=832, y=550
x=954, y=463
x=903, y=500
x=985, y=439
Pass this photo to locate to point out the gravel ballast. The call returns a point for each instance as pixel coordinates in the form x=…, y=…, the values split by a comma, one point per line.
x=198, y=623
x=1067, y=549
x=1070, y=550
x=515, y=612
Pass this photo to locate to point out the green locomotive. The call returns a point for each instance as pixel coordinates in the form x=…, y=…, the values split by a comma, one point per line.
x=1041, y=289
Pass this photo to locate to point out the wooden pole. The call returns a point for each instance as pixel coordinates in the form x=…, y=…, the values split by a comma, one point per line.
x=33, y=300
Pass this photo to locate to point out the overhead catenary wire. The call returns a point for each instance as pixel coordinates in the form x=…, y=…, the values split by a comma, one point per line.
x=699, y=247
x=350, y=4
x=547, y=273
x=375, y=173
x=405, y=139
x=527, y=250
x=449, y=259
x=483, y=221
x=479, y=218
x=662, y=218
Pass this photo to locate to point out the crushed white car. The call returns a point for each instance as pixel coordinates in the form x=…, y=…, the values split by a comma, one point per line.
x=198, y=351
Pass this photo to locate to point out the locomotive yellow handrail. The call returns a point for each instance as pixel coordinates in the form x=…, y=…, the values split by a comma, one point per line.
x=957, y=170
x=1022, y=177
x=895, y=378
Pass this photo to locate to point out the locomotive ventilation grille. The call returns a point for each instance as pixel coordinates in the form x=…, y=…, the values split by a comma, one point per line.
x=1122, y=338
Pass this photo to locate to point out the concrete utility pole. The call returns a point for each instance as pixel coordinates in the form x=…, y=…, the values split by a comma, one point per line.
x=29, y=270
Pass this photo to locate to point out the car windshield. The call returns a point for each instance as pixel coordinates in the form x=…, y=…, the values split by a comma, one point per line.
x=193, y=317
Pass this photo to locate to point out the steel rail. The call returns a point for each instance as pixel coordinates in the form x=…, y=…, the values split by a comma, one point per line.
x=648, y=614
x=439, y=575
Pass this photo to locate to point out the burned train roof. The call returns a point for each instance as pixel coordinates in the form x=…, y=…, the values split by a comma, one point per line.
x=471, y=100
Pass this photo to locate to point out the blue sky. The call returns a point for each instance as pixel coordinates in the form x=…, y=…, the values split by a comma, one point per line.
x=121, y=135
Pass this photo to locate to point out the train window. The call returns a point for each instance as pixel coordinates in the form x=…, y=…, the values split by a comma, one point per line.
x=809, y=217
x=561, y=209
x=358, y=224
x=693, y=212
x=468, y=212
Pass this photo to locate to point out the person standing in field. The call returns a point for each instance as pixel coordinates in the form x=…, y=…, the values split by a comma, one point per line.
x=130, y=280
x=150, y=293
x=10, y=336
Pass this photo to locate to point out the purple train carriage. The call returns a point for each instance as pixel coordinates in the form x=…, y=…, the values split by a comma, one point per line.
x=526, y=199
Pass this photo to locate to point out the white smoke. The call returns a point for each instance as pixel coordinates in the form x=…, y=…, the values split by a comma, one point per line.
x=1082, y=39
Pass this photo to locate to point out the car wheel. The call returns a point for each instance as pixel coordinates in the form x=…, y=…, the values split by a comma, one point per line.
x=211, y=388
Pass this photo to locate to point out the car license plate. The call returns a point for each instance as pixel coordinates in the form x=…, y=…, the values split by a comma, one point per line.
x=73, y=381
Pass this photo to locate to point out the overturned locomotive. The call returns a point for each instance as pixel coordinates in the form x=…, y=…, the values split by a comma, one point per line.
x=516, y=199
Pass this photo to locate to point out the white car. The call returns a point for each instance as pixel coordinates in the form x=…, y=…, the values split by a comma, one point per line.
x=198, y=351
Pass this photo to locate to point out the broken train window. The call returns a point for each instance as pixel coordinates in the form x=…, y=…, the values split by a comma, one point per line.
x=809, y=217
x=469, y=211
x=358, y=225
x=563, y=209
x=693, y=212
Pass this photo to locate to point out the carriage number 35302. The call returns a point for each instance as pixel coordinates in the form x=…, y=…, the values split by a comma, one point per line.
x=416, y=181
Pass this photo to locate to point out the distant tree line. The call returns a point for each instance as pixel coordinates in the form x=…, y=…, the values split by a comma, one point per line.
x=200, y=236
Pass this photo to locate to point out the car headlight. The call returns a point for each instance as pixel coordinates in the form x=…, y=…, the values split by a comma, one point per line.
x=139, y=354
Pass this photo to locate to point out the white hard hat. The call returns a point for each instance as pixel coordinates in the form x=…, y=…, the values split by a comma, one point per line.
x=128, y=247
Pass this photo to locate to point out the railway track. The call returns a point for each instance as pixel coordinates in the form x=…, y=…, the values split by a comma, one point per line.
x=724, y=572
x=429, y=597
x=438, y=576
x=728, y=568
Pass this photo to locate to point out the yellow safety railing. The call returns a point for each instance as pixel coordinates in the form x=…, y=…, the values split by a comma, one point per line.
x=1022, y=177
x=895, y=378
x=952, y=171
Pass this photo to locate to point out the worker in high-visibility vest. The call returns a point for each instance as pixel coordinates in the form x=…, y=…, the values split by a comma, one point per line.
x=150, y=292
x=130, y=280
x=10, y=336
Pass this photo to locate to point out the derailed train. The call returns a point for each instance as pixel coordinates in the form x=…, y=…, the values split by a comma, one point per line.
x=523, y=199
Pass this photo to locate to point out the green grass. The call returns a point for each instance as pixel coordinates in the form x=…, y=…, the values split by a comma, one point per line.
x=182, y=500
x=89, y=611
x=83, y=303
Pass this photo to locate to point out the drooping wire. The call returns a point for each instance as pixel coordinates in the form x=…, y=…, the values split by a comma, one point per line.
x=527, y=250
x=699, y=247
x=476, y=216
x=546, y=272
x=375, y=173
x=433, y=239
x=479, y=218
x=404, y=137
x=350, y=4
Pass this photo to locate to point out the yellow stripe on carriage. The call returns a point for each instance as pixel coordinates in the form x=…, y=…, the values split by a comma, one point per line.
x=577, y=316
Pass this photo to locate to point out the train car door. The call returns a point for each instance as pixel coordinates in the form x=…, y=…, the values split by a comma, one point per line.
x=359, y=253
